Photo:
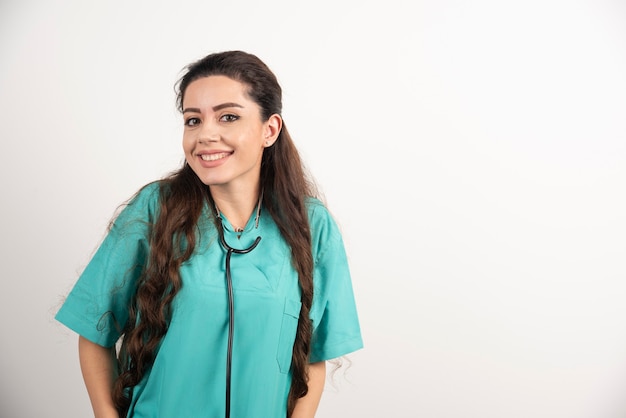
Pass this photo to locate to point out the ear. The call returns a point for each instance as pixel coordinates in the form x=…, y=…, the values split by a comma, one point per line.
x=272, y=129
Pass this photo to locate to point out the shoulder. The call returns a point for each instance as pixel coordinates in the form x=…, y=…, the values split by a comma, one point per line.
x=147, y=195
x=324, y=229
x=319, y=215
x=147, y=198
x=142, y=207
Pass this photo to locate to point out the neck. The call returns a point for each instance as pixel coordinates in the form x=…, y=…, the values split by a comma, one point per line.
x=238, y=207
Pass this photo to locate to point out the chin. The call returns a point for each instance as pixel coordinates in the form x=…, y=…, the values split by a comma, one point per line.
x=211, y=181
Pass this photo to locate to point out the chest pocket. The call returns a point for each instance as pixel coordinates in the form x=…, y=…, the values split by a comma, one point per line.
x=287, y=336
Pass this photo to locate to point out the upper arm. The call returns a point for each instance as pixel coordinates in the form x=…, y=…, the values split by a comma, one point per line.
x=336, y=328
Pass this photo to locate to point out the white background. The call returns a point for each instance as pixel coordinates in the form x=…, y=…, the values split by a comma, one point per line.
x=473, y=153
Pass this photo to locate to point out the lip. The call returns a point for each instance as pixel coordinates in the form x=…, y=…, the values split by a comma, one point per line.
x=213, y=163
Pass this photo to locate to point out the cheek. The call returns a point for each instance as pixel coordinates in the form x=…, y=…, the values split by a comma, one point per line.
x=187, y=144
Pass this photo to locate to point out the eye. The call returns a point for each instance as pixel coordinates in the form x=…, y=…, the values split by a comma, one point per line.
x=192, y=121
x=229, y=117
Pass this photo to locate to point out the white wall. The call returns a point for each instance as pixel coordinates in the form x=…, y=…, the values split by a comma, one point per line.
x=473, y=152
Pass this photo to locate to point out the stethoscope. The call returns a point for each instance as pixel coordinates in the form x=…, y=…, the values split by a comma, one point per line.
x=231, y=304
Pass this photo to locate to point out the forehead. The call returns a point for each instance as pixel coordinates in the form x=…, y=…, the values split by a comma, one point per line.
x=214, y=90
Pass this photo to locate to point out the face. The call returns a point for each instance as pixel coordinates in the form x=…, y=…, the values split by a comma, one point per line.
x=224, y=134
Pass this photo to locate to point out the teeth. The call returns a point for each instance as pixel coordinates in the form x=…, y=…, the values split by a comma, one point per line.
x=213, y=157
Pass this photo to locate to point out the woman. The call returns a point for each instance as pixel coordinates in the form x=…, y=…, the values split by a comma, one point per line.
x=227, y=282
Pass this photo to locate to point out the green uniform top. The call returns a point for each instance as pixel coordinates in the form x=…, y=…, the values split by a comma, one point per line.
x=188, y=376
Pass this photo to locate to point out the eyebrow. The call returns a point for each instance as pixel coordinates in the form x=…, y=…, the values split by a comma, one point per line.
x=215, y=108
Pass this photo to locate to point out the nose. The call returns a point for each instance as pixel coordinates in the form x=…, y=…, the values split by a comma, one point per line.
x=208, y=133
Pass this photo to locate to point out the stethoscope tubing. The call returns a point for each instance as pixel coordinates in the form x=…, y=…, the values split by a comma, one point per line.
x=231, y=308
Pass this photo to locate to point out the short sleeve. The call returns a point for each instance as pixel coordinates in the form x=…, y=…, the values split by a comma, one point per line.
x=97, y=306
x=336, y=329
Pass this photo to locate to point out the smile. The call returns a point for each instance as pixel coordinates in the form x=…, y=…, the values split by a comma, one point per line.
x=214, y=157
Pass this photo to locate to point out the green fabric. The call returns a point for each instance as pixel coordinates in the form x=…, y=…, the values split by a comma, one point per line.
x=188, y=375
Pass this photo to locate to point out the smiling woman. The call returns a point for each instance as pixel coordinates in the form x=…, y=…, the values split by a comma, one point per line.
x=225, y=134
x=226, y=283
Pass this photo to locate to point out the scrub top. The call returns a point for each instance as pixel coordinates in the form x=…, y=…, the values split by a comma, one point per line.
x=189, y=371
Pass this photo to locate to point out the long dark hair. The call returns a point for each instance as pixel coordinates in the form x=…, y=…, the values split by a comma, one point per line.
x=286, y=185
